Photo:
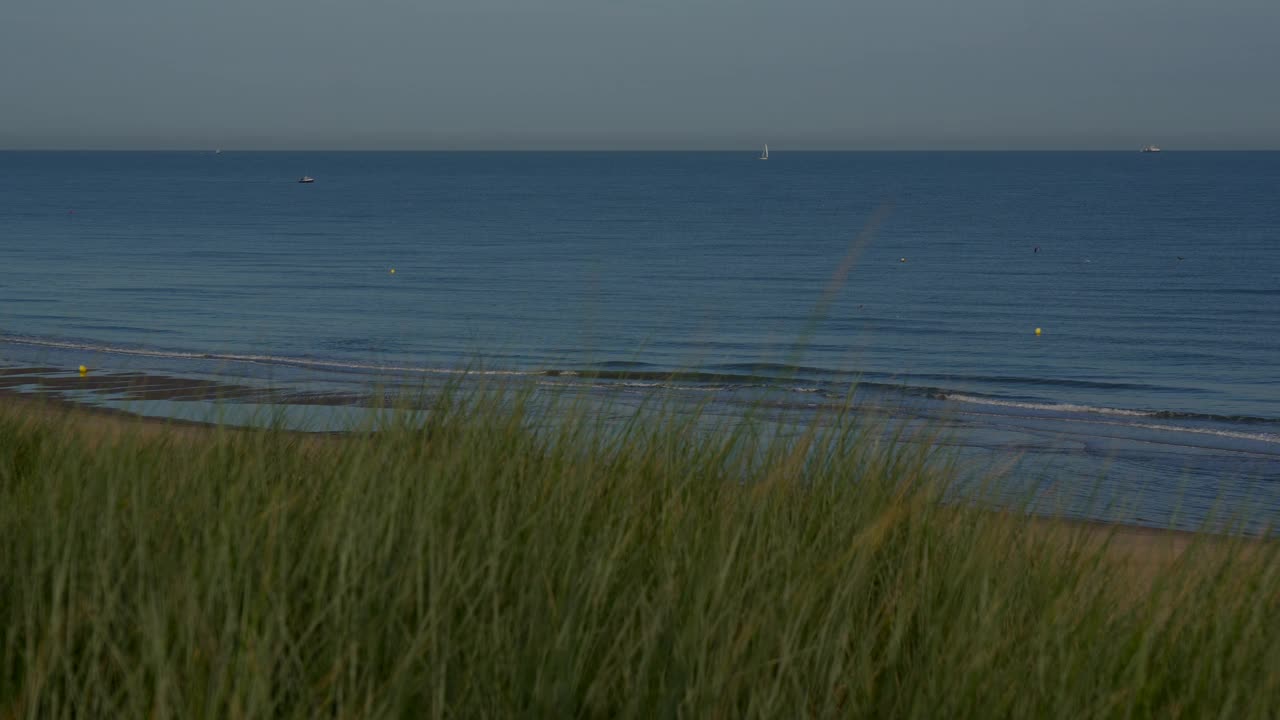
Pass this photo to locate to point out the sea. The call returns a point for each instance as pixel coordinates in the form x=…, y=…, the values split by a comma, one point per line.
x=1099, y=331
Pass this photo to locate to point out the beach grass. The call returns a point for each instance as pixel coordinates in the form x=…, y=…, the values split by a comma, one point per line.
x=482, y=562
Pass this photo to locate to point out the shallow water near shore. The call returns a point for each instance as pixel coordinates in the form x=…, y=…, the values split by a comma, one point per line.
x=194, y=281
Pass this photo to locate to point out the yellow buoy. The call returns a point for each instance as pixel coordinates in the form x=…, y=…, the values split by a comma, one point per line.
x=393, y=271
x=1037, y=331
x=83, y=370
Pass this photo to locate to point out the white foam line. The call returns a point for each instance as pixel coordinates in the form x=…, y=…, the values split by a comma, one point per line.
x=1261, y=437
x=1058, y=407
x=1234, y=434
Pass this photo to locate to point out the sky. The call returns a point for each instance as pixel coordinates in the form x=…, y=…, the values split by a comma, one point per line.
x=640, y=74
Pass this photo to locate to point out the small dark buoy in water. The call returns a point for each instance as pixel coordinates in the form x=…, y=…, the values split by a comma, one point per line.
x=1179, y=257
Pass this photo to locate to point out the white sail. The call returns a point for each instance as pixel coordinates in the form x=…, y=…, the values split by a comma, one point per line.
x=765, y=154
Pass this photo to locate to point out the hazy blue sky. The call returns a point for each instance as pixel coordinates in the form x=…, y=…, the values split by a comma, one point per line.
x=640, y=73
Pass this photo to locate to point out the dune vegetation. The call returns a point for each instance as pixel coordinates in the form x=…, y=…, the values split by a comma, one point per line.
x=479, y=562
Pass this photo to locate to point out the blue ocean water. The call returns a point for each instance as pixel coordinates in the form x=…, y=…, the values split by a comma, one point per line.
x=919, y=278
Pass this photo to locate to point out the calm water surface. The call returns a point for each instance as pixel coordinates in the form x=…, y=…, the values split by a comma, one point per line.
x=919, y=277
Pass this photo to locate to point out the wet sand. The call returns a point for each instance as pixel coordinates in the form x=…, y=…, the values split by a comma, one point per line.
x=55, y=383
x=95, y=423
x=76, y=401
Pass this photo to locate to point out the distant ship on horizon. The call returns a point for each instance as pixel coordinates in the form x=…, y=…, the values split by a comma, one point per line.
x=1151, y=148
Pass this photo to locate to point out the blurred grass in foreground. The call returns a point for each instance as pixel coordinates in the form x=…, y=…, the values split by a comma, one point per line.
x=468, y=565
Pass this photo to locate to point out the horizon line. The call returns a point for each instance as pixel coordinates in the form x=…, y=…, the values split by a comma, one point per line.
x=748, y=149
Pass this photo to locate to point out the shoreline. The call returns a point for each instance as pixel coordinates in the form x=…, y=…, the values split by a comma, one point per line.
x=1147, y=549
x=50, y=406
x=150, y=386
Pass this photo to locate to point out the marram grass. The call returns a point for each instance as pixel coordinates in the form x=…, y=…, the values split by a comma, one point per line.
x=471, y=566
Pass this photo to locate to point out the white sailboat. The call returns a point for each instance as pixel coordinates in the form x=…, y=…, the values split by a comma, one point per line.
x=765, y=155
